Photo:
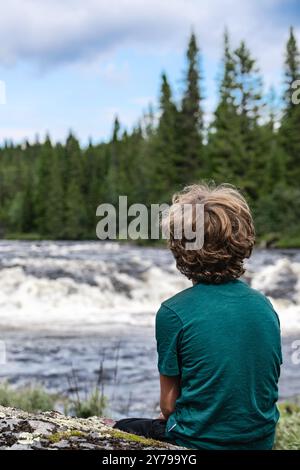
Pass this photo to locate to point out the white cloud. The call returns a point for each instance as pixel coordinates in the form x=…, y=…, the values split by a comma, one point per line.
x=53, y=31
x=89, y=35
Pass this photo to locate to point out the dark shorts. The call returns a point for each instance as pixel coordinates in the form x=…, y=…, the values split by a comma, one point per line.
x=156, y=429
x=151, y=428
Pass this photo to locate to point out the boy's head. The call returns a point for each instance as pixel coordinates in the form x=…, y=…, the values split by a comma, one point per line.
x=229, y=234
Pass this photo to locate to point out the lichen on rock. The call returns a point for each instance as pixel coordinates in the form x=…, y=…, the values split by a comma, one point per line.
x=20, y=430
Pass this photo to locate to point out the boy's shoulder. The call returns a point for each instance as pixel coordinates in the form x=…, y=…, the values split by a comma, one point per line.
x=238, y=288
x=234, y=297
x=179, y=299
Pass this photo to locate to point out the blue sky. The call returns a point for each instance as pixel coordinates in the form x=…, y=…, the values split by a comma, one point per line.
x=71, y=64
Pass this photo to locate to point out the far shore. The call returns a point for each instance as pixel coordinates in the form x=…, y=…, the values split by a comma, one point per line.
x=269, y=241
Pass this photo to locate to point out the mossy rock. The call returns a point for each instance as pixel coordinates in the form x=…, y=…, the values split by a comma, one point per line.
x=52, y=430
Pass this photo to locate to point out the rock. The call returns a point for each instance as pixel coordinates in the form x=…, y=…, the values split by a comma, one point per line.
x=27, y=438
x=87, y=446
x=62, y=445
x=52, y=430
x=17, y=447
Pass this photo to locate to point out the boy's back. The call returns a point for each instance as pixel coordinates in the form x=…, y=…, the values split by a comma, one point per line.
x=218, y=342
x=224, y=342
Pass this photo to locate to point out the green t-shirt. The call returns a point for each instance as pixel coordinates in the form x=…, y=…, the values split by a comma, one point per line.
x=224, y=342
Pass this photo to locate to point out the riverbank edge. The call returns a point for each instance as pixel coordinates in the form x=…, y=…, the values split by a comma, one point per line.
x=20, y=430
x=267, y=241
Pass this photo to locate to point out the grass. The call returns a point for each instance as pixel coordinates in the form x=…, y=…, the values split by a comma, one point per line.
x=288, y=428
x=24, y=236
x=278, y=240
x=34, y=399
x=31, y=399
x=94, y=405
x=288, y=242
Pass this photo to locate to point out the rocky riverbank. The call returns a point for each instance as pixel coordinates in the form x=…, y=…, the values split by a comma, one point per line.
x=20, y=430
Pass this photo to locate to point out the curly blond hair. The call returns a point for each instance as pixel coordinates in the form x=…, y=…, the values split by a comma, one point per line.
x=229, y=234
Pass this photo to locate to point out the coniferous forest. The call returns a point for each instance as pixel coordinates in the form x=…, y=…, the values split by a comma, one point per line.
x=51, y=190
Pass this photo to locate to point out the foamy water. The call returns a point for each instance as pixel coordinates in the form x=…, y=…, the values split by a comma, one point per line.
x=280, y=281
x=90, y=286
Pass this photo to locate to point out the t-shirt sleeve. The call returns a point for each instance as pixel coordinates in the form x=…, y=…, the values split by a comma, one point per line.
x=168, y=332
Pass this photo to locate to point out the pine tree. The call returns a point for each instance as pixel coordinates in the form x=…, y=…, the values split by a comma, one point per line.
x=95, y=190
x=113, y=174
x=138, y=153
x=290, y=124
x=272, y=170
x=191, y=119
x=224, y=137
x=55, y=227
x=292, y=70
x=44, y=163
x=250, y=109
x=75, y=214
x=27, y=216
x=165, y=175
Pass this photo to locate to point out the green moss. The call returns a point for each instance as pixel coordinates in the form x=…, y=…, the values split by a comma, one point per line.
x=56, y=437
x=59, y=436
x=77, y=433
x=133, y=437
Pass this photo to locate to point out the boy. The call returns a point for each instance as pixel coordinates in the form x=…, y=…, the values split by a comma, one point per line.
x=218, y=342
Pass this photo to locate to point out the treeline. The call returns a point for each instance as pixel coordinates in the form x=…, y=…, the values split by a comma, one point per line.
x=252, y=141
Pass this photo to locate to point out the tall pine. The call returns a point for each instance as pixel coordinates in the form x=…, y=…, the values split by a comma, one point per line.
x=166, y=176
x=290, y=124
x=191, y=122
x=75, y=214
x=224, y=137
x=44, y=163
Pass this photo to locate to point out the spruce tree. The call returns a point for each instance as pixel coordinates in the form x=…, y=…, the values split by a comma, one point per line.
x=273, y=167
x=95, y=190
x=44, y=163
x=191, y=119
x=290, y=124
x=224, y=137
x=166, y=176
x=249, y=101
x=75, y=214
x=55, y=227
x=113, y=174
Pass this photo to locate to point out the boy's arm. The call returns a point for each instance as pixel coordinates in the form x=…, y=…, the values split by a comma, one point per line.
x=169, y=392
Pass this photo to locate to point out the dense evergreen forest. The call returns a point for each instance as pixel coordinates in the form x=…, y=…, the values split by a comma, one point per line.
x=52, y=190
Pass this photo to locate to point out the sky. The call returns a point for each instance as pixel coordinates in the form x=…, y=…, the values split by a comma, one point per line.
x=73, y=64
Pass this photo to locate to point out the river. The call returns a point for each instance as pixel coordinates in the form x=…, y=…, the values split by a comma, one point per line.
x=87, y=309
